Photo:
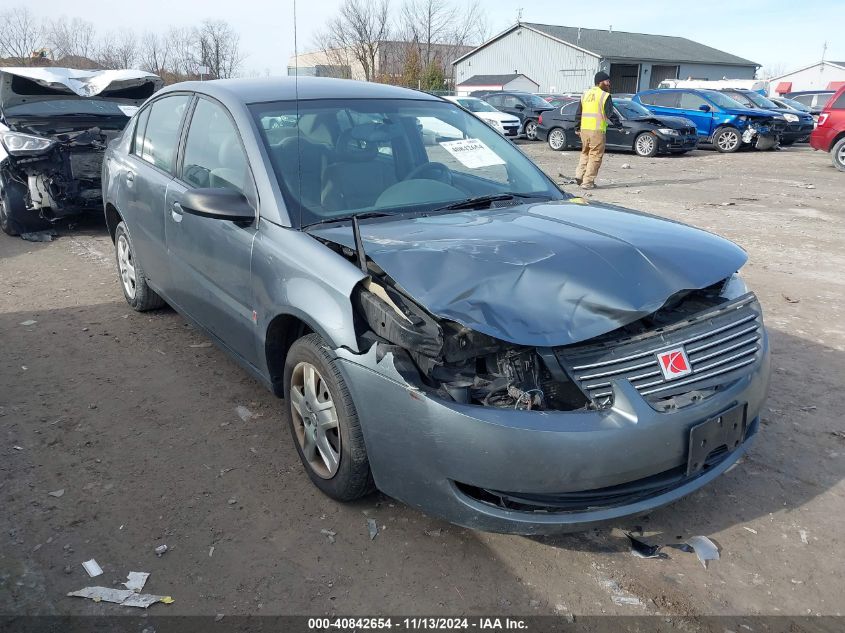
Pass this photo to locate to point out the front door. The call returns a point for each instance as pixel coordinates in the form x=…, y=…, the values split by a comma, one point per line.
x=692, y=105
x=210, y=260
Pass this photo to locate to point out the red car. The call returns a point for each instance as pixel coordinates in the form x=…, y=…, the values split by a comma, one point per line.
x=829, y=135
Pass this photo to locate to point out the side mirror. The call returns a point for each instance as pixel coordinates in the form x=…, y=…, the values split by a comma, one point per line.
x=704, y=107
x=218, y=204
x=519, y=107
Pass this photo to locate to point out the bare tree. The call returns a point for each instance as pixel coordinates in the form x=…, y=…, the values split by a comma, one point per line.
x=71, y=38
x=21, y=34
x=118, y=50
x=360, y=28
x=219, y=48
x=154, y=53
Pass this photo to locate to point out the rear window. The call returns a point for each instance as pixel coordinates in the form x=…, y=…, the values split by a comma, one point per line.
x=839, y=104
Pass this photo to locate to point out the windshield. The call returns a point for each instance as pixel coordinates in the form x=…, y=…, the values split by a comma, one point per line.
x=760, y=101
x=631, y=110
x=390, y=156
x=476, y=105
x=722, y=100
x=59, y=107
x=796, y=105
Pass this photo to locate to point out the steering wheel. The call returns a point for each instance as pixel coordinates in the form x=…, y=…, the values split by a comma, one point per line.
x=435, y=171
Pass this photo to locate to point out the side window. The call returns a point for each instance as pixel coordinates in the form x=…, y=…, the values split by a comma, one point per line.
x=665, y=99
x=807, y=100
x=839, y=104
x=161, y=135
x=691, y=101
x=214, y=156
x=495, y=101
x=648, y=99
x=140, y=127
x=511, y=102
x=570, y=108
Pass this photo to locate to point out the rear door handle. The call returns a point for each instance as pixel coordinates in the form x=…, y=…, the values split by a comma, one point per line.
x=176, y=212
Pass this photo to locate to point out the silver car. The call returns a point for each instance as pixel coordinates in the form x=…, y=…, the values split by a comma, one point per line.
x=443, y=323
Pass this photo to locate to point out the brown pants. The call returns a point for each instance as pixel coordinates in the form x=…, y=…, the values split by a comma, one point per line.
x=592, y=153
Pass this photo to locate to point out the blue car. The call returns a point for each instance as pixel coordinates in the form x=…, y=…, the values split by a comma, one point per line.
x=720, y=120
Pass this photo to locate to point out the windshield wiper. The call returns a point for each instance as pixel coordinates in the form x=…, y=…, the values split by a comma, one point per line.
x=346, y=218
x=479, y=201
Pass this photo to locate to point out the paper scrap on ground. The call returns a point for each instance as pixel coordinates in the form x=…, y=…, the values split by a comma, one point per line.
x=243, y=413
x=136, y=580
x=92, y=568
x=123, y=597
x=472, y=153
x=57, y=493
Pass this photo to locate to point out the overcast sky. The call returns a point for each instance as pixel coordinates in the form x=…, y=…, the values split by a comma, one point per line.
x=775, y=33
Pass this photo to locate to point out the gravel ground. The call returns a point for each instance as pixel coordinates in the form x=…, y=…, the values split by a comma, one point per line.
x=134, y=417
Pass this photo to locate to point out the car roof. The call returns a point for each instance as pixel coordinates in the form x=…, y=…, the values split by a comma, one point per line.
x=290, y=88
x=809, y=92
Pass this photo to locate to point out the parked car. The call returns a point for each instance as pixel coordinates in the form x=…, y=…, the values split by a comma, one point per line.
x=443, y=322
x=790, y=104
x=524, y=106
x=504, y=124
x=720, y=120
x=813, y=99
x=829, y=136
x=55, y=124
x=641, y=131
x=798, y=124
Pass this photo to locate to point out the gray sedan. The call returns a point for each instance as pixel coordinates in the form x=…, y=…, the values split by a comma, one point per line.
x=443, y=323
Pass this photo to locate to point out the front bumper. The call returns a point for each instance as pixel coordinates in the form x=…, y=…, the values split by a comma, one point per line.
x=681, y=143
x=797, y=131
x=431, y=454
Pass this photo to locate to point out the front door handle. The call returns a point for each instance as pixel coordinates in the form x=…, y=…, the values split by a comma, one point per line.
x=176, y=212
x=130, y=178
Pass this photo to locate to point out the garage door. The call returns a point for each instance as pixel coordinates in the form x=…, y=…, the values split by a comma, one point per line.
x=624, y=77
x=659, y=73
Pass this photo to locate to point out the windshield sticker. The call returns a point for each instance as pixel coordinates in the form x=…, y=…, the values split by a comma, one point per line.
x=128, y=110
x=472, y=153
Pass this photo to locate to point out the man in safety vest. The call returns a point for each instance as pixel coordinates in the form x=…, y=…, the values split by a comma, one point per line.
x=591, y=119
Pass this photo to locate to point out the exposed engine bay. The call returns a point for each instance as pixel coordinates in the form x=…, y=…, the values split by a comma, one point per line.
x=457, y=363
x=66, y=178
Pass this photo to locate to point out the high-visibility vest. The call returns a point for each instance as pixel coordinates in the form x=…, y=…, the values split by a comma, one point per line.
x=592, y=109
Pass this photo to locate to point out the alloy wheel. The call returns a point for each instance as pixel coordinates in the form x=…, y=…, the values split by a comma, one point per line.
x=531, y=130
x=645, y=144
x=728, y=140
x=315, y=420
x=126, y=266
x=840, y=155
x=557, y=139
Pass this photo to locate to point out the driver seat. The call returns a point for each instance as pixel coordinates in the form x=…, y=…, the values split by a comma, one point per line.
x=357, y=178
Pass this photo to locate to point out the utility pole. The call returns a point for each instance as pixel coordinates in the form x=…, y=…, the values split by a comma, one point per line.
x=824, y=51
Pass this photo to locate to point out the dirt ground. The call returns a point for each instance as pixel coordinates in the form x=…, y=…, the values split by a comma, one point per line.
x=134, y=417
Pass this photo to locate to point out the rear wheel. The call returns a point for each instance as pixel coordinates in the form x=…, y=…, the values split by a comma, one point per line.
x=838, y=155
x=531, y=130
x=645, y=144
x=557, y=139
x=727, y=140
x=323, y=421
x=133, y=280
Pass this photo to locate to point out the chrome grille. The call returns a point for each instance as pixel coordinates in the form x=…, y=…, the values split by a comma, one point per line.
x=721, y=345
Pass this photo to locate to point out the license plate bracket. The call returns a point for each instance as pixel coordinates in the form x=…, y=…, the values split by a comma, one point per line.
x=726, y=429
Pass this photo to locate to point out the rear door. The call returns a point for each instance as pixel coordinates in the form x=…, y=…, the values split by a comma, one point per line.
x=149, y=172
x=210, y=259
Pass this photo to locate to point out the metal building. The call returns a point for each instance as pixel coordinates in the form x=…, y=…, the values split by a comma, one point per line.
x=821, y=76
x=565, y=59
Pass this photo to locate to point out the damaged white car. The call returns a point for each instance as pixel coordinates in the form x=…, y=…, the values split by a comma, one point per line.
x=55, y=124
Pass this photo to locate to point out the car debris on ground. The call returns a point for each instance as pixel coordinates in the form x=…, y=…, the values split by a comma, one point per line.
x=329, y=534
x=92, y=568
x=57, y=493
x=160, y=550
x=372, y=526
x=39, y=236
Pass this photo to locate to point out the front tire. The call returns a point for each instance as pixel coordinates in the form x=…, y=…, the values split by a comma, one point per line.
x=14, y=216
x=727, y=140
x=133, y=280
x=531, y=130
x=837, y=153
x=558, y=140
x=645, y=145
x=324, y=423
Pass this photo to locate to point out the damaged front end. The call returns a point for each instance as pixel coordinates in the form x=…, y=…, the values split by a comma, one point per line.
x=764, y=134
x=457, y=364
x=59, y=174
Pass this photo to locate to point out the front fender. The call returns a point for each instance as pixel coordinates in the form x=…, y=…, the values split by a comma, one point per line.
x=295, y=274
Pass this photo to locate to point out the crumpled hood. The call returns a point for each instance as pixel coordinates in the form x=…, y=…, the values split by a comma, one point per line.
x=544, y=274
x=81, y=83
